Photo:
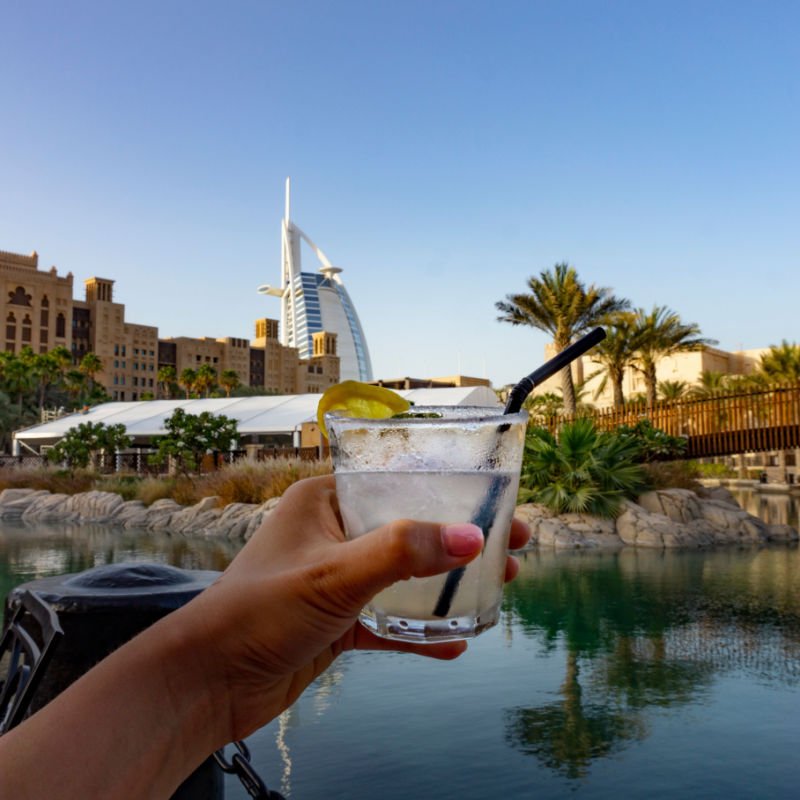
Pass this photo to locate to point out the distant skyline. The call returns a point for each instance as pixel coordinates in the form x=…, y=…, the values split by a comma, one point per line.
x=440, y=153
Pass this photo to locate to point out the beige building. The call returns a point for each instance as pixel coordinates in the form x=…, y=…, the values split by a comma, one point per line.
x=128, y=351
x=39, y=311
x=36, y=305
x=282, y=368
x=682, y=367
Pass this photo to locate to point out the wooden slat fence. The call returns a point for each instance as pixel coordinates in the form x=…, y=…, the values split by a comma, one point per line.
x=756, y=421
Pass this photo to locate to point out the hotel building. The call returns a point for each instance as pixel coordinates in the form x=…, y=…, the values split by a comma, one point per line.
x=312, y=302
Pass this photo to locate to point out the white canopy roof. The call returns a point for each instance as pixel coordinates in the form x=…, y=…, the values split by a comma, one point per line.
x=270, y=414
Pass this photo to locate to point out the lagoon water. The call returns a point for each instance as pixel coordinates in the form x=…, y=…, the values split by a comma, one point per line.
x=642, y=674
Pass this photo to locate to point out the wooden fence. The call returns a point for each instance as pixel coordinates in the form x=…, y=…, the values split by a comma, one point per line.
x=757, y=421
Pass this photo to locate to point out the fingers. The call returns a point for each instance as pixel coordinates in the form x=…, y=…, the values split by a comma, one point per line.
x=520, y=533
x=398, y=551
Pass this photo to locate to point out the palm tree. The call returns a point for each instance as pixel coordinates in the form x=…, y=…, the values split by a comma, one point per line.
x=47, y=370
x=561, y=305
x=660, y=333
x=63, y=358
x=206, y=377
x=782, y=363
x=229, y=380
x=672, y=390
x=616, y=353
x=90, y=365
x=166, y=378
x=187, y=380
x=74, y=384
x=18, y=379
x=711, y=383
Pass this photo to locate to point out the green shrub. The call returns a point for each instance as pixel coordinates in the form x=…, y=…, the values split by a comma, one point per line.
x=673, y=475
x=654, y=444
x=712, y=470
x=581, y=470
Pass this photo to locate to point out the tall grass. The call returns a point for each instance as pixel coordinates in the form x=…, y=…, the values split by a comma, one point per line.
x=245, y=482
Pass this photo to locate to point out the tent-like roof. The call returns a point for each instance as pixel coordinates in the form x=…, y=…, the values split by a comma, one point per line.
x=269, y=414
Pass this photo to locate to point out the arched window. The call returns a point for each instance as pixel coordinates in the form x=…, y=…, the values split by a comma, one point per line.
x=19, y=297
x=61, y=326
x=45, y=302
x=26, y=328
x=11, y=326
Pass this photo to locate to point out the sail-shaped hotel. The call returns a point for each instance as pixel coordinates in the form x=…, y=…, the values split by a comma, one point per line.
x=317, y=301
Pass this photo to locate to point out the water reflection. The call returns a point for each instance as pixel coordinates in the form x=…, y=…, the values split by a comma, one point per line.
x=646, y=629
x=776, y=509
x=31, y=552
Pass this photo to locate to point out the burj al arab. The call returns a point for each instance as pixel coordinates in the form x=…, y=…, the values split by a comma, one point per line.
x=317, y=301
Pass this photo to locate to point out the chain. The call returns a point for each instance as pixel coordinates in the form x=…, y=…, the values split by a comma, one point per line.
x=240, y=766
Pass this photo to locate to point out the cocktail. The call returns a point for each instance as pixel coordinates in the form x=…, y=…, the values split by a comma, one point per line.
x=443, y=464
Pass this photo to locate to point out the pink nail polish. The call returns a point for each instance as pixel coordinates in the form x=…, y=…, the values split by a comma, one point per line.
x=462, y=539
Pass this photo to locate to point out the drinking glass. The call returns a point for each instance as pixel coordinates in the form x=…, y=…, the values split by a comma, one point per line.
x=434, y=464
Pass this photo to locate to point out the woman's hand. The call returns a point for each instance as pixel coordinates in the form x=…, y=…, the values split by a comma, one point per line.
x=287, y=605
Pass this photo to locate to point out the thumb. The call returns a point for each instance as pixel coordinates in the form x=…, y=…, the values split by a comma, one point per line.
x=402, y=550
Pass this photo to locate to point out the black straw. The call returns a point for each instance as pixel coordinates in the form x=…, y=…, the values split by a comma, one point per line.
x=484, y=516
x=518, y=394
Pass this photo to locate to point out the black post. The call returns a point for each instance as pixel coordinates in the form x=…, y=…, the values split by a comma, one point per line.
x=103, y=608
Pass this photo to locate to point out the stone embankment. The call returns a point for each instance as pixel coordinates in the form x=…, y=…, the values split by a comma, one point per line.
x=234, y=521
x=666, y=518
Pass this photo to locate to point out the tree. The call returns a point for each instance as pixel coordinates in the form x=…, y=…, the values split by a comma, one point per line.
x=660, y=333
x=582, y=470
x=187, y=380
x=166, y=378
x=90, y=365
x=82, y=443
x=616, y=353
x=190, y=436
x=74, y=382
x=672, y=390
x=782, y=363
x=562, y=306
x=18, y=379
x=229, y=380
x=47, y=370
x=205, y=379
x=711, y=383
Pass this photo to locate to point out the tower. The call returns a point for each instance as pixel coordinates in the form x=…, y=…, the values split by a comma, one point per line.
x=312, y=302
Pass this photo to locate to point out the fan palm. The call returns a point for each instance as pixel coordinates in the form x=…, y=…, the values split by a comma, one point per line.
x=561, y=305
x=583, y=470
x=660, y=333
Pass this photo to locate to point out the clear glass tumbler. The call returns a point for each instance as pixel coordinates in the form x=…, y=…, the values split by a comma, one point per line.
x=436, y=464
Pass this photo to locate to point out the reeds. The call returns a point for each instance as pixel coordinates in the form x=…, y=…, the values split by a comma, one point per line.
x=244, y=482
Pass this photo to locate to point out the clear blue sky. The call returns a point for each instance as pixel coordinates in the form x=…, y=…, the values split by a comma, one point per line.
x=440, y=152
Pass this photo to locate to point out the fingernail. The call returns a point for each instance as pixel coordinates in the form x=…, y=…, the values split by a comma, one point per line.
x=462, y=539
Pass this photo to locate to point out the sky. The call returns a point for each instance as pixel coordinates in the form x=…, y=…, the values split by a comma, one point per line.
x=441, y=153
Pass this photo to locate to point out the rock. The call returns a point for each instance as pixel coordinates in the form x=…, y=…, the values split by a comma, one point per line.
x=722, y=494
x=18, y=502
x=782, y=533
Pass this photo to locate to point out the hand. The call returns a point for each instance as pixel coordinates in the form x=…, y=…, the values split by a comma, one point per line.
x=287, y=605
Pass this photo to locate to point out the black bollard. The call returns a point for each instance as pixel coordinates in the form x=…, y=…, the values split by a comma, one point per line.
x=103, y=608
